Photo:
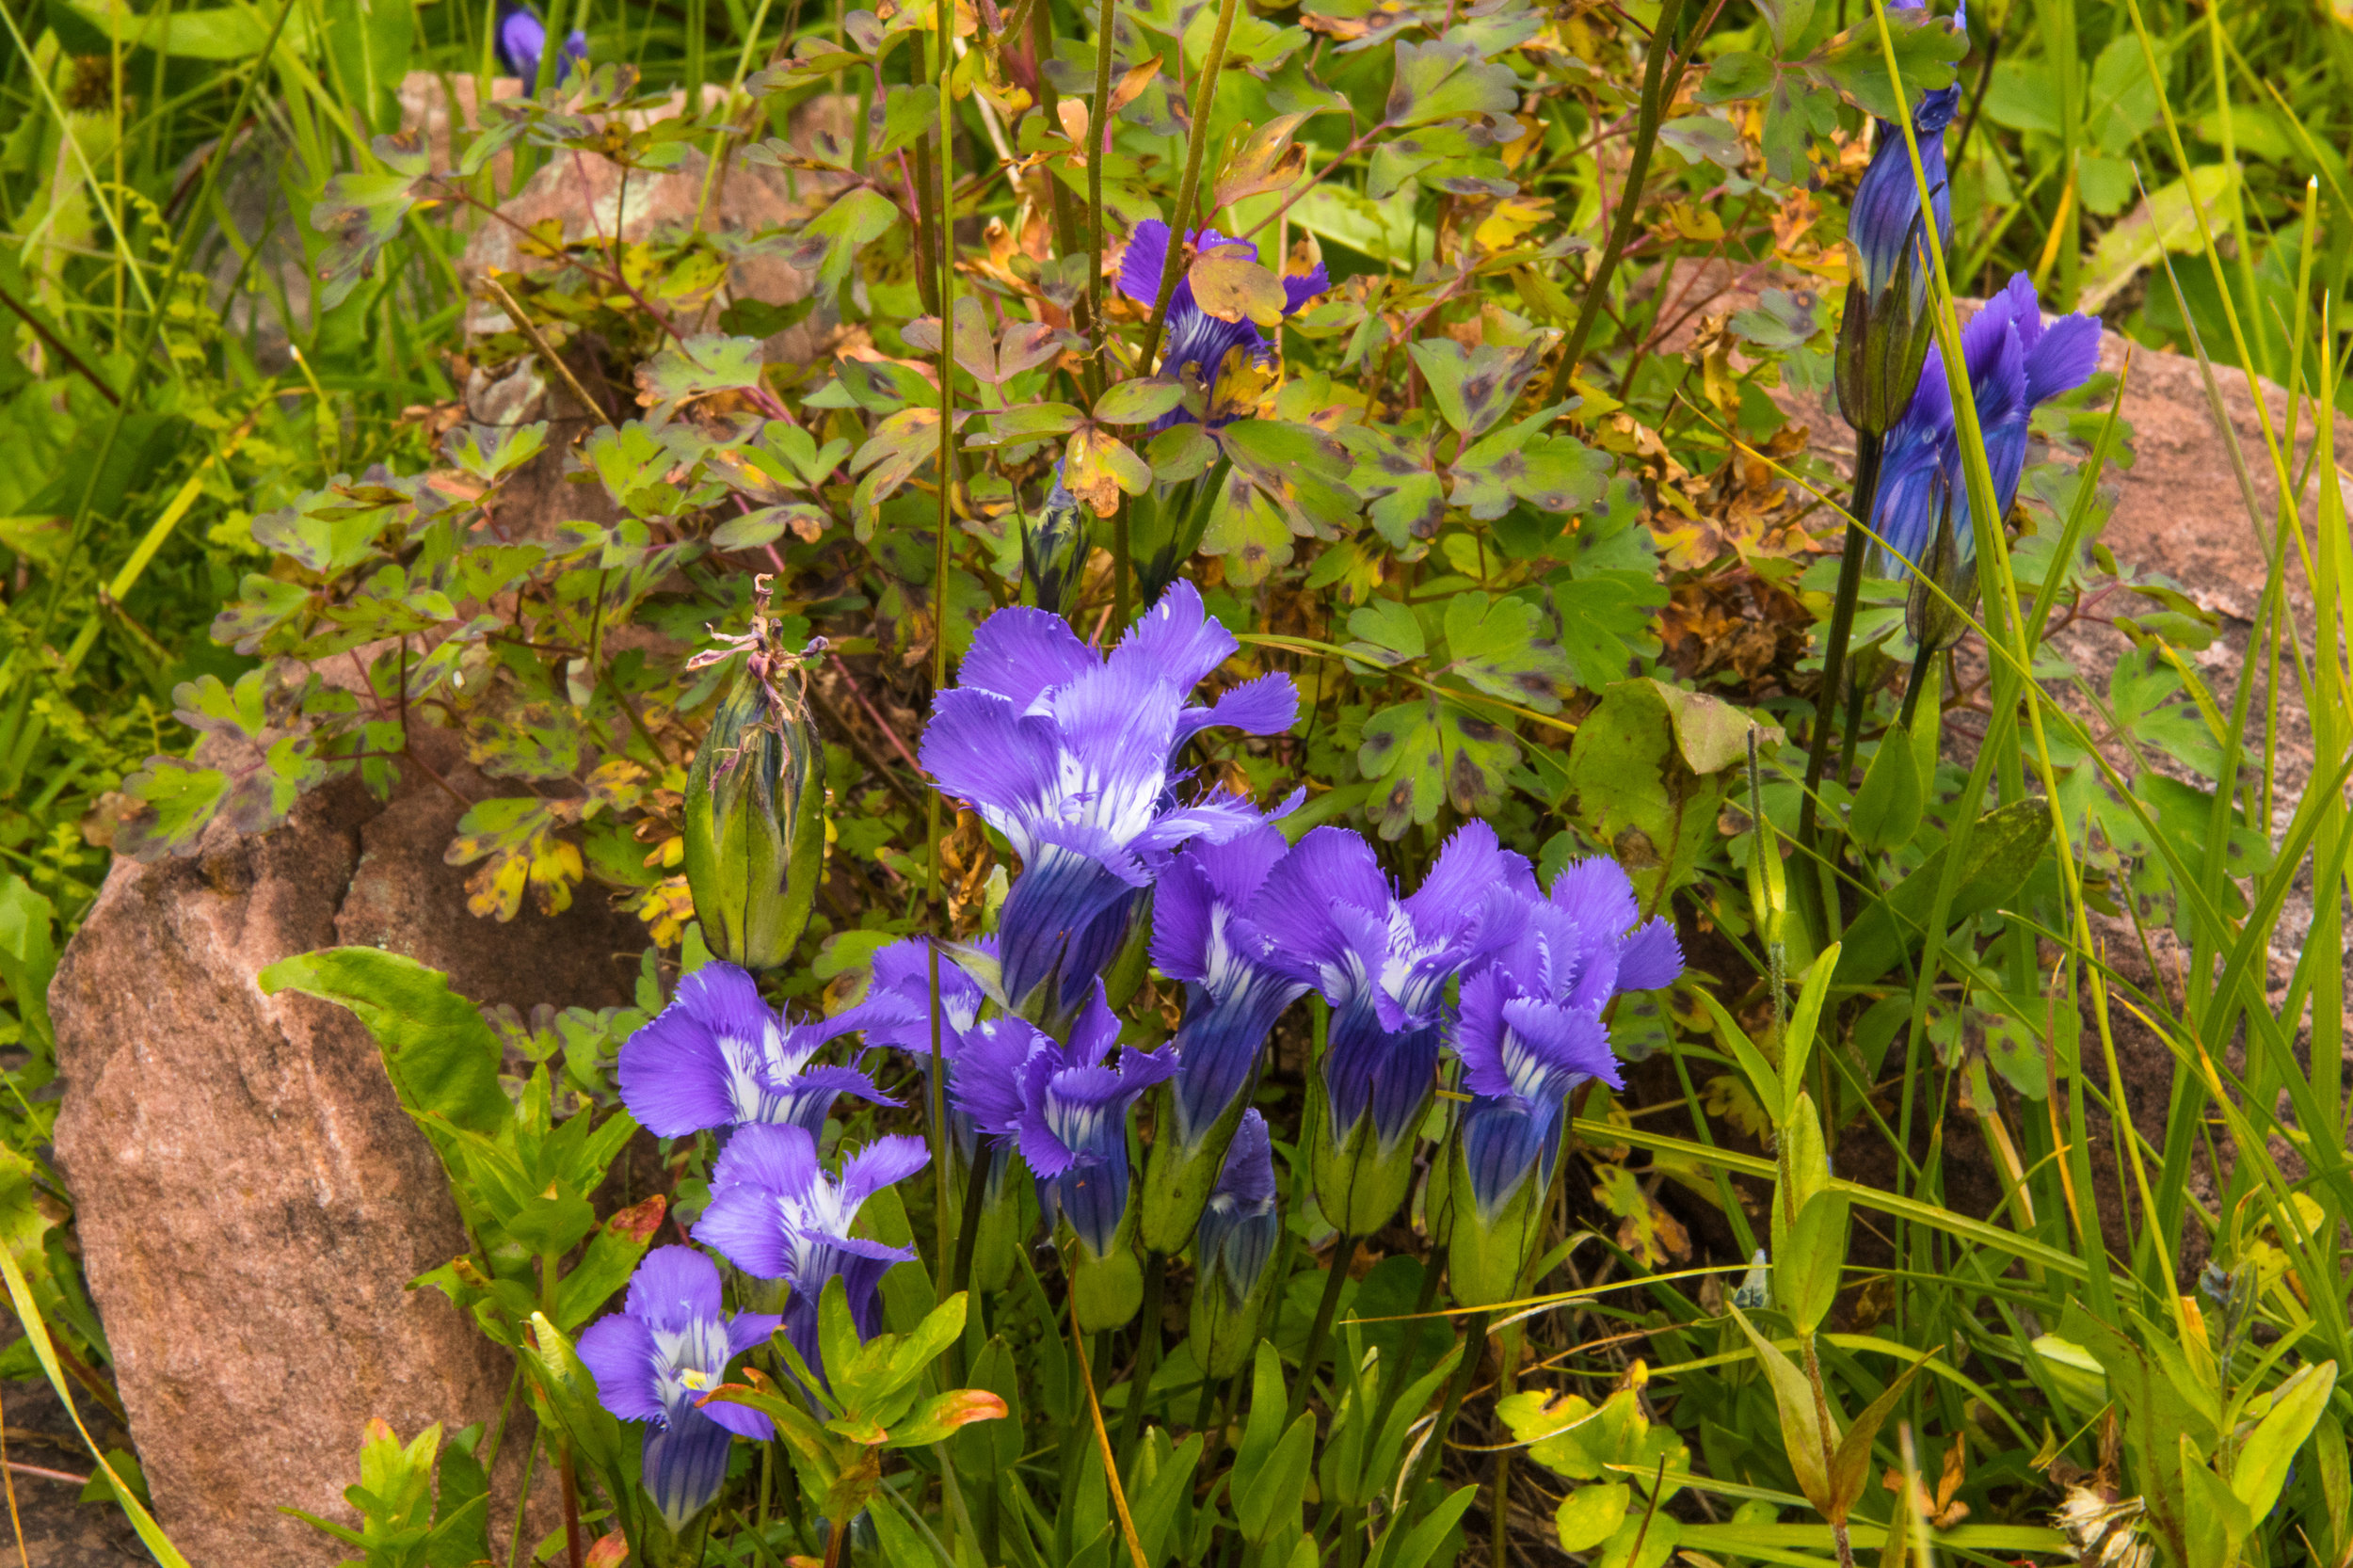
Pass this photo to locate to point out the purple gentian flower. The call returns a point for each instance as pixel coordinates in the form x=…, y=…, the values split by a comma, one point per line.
x=1382, y=962
x=1196, y=338
x=1886, y=213
x=1066, y=1108
x=897, y=1009
x=520, y=39
x=776, y=1214
x=656, y=1359
x=1239, y=1224
x=1069, y=754
x=1530, y=1030
x=719, y=1056
x=2015, y=365
x=1203, y=933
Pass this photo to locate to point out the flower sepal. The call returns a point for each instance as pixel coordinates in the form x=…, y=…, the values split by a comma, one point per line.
x=1008, y=1212
x=1225, y=1331
x=1488, y=1250
x=1178, y=1176
x=1233, y=1253
x=1107, y=1291
x=1882, y=342
x=1359, y=1180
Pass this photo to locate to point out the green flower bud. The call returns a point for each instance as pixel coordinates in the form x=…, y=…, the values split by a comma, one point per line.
x=755, y=806
x=1054, y=552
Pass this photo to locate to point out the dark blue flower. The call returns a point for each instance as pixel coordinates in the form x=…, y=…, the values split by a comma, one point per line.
x=522, y=36
x=1066, y=1108
x=1203, y=933
x=1069, y=754
x=2015, y=364
x=1530, y=1034
x=719, y=1056
x=1239, y=1224
x=1884, y=327
x=1886, y=213
x=1383, y=963
x=653, y=1361
x=1196, y=338
x=776, y=1214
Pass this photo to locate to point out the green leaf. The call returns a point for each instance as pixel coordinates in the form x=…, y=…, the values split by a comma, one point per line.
x=1801, y=1434
x=1928, y=48
x=1851, y=1466
x=1414, y=1548
x=698, y=367
x=1806, y=1275
x=1137, y=401
x=1389, y=631
x=1501, y=647
x=2002, y=852
x=1590, y=1515
x=2264, y=1459
x=1797, y=1043
x=28, y=960
x=1267, y=1498
x=907, y=113
x=1432, y=750
x=938, y=1417
x=1301, y=468
x=1630, y=788
x=1886, y=810
x=1605, y=626
x=1473, y=388
x=1447, y=80
x=829, y=241
x=443, y=1058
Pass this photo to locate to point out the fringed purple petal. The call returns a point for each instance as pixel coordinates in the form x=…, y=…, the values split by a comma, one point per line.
x=1248, y=1175
x=881, y=1163
x=986, y=1079
x=2064, y=358
x=1300, y=287
x=980, y=747
x=781, y=1158
x=674, y=1288
x=618, y=1350
x=1022, y=653
x=1177, y=642
x=1145, y=260
x=744, y=1224
x=1651, y=959
x=1264, y=706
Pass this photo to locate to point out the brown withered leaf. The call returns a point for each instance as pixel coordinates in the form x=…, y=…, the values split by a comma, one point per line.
x=1132, y=85
x=1229, y=284
x=1098, y=465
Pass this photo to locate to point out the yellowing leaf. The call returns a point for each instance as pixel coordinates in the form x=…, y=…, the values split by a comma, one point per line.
x=1511, y=218
x=1228, y=284
x=1267, y=161
x=1098, y=465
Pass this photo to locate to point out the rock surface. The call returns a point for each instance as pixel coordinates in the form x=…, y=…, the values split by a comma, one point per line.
x=252, y=1200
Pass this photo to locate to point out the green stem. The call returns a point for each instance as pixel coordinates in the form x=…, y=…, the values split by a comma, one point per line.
x=1868, y=446
x=1499, y=1549
x=1342, y=1257
x=1188, y=189
x=946, y=262
x=550, y=1264
x=1474, y=1334
x=523, y=1501
x=1630, y=196
x=1147, y=1356
x=1099, y=137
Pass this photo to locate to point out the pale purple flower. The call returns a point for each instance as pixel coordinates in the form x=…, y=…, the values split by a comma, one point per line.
x=1070, y=754
x=776, y=1214
x=719, y=1056
x=656, y=1359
